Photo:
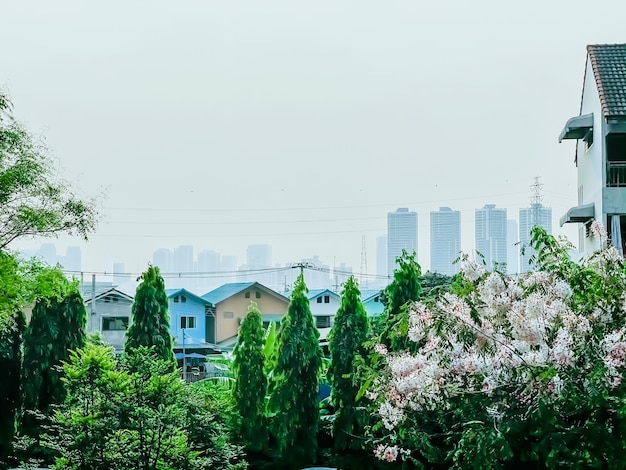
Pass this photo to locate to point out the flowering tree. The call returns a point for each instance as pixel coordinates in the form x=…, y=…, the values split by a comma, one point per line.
x=509, y=371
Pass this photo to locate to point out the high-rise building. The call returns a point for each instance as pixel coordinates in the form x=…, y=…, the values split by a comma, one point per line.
x=119, y=273
x=72, y=261
x=401, y=235
x=491, y=230
x=259, y=256
x=163, y=258
x=445, y=241
x=512, y=247
x=535, y=215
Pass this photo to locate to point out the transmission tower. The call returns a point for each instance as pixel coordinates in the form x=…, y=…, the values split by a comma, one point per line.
x=363, y=263
x=535, y=199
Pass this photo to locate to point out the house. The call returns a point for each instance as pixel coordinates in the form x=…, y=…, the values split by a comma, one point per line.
x=109, y=311
x=230, y=305
x=372, y=302
x=324, y=304
x=192, y=321
x=600, y=135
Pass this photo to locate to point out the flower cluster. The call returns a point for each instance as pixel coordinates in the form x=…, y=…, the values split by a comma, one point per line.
x=512, y=340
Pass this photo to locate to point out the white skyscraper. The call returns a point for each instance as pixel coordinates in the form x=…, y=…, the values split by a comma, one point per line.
x=512, y=247
x=445, y=241
x=529, y=217
x=401, y=235
x=491, y=231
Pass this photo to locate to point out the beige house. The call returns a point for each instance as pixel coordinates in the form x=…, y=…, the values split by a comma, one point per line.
x=230, y=305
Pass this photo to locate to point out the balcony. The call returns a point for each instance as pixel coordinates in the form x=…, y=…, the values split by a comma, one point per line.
x=616, y=174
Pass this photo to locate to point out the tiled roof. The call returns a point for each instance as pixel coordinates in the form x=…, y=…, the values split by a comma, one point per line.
x=226, y=291
x=608, y=62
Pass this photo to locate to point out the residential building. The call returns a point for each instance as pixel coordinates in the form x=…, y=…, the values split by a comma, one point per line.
x=109, y=312
x=324, y=304
x=230, y=305
x=600, y=157
x=372, y=302
x=192, y=321
x=445, y=241
x=491, y=231
x=512, y=247
x=401, y=235
x=537, y=215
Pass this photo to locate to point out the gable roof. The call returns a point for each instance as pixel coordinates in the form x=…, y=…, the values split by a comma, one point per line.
x=103, y=292
x=369, y=294
x=316, y=292
x=228, y=290
x=173, y=292
x=608, y=62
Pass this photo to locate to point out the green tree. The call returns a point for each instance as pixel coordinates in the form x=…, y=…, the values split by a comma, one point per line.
x=294, y=383
x=56, y=327
x=136, y=414
x=250, y=380
x=345, y=341
x=34, y=200
x=150, y=326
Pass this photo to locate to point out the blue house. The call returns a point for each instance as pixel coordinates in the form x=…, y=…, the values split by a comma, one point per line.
x=192, y=320
x=372, y=302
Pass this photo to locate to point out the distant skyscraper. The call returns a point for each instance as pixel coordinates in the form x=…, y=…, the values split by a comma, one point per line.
x=259, y=256
x=119, y=274
x=163, y=259
x=183, y=259
x=529, y=217
x=48, y=251
x=72, y=260
x=401, y=235
x=445, y=241
x=381, y=255
x=490, y=229
x=512, y=247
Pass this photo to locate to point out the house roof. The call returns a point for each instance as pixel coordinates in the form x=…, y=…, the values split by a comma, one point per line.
x=172, y=292
x=369, y=294
x=104, y=291
x=316, y=292
x=228, y=290
x=608, y=62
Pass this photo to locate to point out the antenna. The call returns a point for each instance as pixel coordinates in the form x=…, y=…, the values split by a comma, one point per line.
x=363, y=263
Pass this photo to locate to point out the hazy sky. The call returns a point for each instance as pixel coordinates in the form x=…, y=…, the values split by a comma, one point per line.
x=299, y=124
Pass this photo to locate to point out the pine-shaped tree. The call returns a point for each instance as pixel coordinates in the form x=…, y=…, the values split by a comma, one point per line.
x=150, y=326
x=346, y=340
x=295, y=382
x=56, y=327
x=250, y=380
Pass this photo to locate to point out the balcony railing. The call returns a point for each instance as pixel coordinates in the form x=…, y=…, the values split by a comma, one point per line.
x=616, y=174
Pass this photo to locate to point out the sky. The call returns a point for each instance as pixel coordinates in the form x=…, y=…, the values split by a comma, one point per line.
x=299, y=124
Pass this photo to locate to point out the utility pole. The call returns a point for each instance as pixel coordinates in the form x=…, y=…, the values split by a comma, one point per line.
x=184, y=357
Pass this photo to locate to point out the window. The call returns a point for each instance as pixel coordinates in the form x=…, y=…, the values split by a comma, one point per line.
x=183, y=299
x=257, y=294
x=319, y=299
x=176, y=299
x=247, y=295
x=114, y=323
x=322, y=322
x=327, y=299
x=187, y=322
x=376, y=299
x=229, y=315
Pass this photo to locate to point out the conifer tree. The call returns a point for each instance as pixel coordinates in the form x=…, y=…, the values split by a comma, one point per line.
x=56, y=327
x=10, y=370
x=150, y=326
x=295, y=382
x=345, y=341
x=250, y=380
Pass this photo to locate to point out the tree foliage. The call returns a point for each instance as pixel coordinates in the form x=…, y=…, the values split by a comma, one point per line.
x=150, y=326
x=136, y=414
x=56, y=327
x=345, y=341
x=250, y=381
x=294, y=382
x=34, y=200
x=511, y=372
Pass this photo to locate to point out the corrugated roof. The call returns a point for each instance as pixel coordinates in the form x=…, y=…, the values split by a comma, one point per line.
x=226, y=291
x=367, y=294
x=315, y=292
x=172, y=292
x=608, y=62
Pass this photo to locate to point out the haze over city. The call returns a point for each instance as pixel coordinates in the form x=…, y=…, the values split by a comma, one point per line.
x=221, y=124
